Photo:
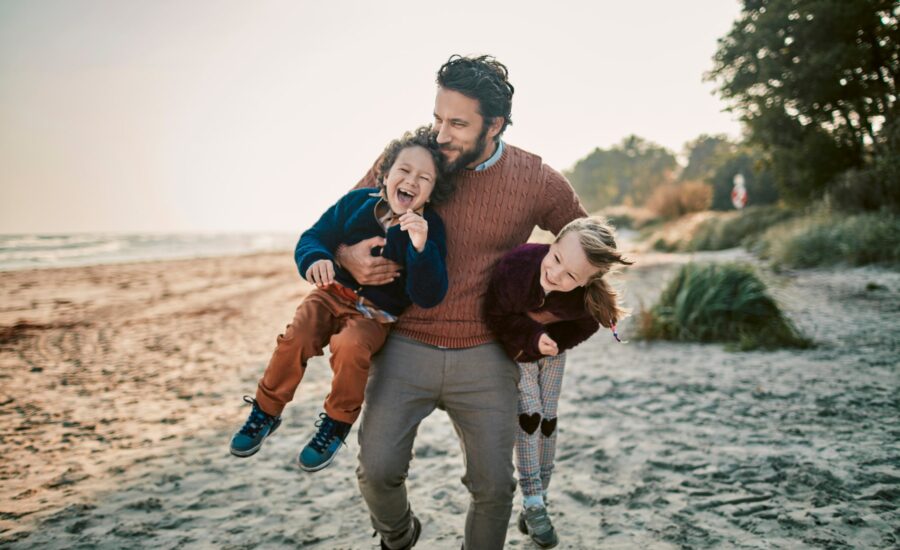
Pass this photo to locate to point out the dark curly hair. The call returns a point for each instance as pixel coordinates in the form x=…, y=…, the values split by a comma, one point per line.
x=482, y=78
x=420, y=137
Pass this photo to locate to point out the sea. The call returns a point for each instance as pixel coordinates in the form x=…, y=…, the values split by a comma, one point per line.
x=46, y=251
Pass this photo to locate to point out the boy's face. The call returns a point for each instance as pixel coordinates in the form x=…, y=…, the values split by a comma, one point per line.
x=410, y=180
x=565, y=266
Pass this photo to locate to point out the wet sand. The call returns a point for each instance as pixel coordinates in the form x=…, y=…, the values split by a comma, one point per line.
x=121, y=386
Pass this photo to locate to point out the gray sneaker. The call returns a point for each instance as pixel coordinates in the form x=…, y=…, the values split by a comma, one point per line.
x=535, y=522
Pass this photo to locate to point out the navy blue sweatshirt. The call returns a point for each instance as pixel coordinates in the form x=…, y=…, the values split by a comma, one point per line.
x=423, y=280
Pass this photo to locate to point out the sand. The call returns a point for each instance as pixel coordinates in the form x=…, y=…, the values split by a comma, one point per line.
x=121, y=386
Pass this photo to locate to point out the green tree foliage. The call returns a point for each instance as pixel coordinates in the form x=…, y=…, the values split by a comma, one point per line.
x=704, y=156
x=815, y=82
x=716, y=160
x=758, y=179
x=624, y=174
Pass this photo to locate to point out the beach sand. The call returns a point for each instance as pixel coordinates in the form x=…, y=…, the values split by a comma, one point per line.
x=122, y=384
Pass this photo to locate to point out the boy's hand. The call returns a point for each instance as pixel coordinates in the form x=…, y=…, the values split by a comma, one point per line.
x=366, y=268
x=547, y=346
x=321, y=273
x=417, y=228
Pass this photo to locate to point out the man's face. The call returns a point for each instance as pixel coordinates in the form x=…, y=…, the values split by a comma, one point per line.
x=461, y=133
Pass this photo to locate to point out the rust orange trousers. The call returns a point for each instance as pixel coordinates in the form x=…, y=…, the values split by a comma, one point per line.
x=323, y=318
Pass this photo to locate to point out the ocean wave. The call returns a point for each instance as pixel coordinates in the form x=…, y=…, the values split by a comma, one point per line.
x=36, y=251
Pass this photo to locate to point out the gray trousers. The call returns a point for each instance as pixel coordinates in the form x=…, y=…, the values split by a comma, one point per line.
x=477, y=388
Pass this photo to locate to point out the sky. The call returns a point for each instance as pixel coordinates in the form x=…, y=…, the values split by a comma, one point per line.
x=225, y=116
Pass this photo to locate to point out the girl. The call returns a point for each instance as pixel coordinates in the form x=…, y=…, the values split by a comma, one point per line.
x=541, y=301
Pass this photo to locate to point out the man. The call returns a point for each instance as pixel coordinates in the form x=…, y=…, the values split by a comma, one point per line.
x=445, y=357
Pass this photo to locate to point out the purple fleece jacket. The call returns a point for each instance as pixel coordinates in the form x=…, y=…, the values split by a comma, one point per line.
x=515, y=290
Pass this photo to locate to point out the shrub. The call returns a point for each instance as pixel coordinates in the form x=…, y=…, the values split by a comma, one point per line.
x=628, y=217
x=868, y=189
x=662, y=245
x=829, y=238
x=719, y=303
x=736, y=228
x=875, y=186
x=664, y=201
x=695, y=196
x=670, y=201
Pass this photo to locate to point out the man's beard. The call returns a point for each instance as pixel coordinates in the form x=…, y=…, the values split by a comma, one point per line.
x=468, y=157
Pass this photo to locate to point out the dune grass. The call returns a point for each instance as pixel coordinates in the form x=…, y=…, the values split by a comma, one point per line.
x=628, y=217
x=831, y=238
x=724, y=303
x=736, y=228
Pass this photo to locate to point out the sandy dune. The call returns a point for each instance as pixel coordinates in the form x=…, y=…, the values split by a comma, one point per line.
x=122, y=384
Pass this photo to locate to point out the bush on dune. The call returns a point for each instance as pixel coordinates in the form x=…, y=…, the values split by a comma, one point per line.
x=736, y=228
x=670, y=201
x=628, y=217
x=719, y=303
x=824, y=239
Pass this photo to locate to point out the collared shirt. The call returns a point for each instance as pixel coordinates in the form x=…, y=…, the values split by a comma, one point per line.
x=493, y=160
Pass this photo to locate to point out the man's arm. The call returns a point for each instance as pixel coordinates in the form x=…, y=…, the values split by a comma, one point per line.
x=357, y=259
x=560, y=204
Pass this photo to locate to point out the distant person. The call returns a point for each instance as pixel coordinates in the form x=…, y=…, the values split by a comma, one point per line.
x=543, y=300
x=445, y=357
x=355, y=318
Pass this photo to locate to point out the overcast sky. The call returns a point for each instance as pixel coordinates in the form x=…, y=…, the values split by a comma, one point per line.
x=184, y=116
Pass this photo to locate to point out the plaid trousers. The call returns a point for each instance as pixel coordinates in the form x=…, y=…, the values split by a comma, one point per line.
x=539, y=388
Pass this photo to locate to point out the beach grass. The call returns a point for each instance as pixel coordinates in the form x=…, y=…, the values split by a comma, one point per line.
x=736, y=228
x=725, y=303
x=828, y=238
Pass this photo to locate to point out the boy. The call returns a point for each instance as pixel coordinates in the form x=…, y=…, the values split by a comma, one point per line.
x=355, y=319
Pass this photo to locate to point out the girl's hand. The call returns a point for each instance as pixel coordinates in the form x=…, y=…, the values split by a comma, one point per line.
x=417, y=228
x=547, y=346
x=321, y=273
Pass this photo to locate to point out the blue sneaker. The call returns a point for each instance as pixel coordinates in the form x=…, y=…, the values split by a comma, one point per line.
x=258, y=427
x=323, y=446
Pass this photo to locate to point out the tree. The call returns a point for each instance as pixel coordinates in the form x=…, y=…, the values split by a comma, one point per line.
x=704, y=155
x=627, y=173
x=815, y=82
x=758, y=180
x=715, y=160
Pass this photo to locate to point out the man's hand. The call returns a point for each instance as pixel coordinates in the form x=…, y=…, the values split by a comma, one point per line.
x=417, y=228
x=365, y=268
x=547, y=346
x=321, y=273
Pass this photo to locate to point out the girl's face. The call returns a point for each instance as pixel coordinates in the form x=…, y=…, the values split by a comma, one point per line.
x=409, y=182
x=565, y=266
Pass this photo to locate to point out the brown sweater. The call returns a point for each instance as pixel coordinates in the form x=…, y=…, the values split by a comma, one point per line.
x=491, y=212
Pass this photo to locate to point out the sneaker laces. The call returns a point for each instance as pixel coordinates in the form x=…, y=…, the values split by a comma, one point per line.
x=257, y=420
x=327, y=428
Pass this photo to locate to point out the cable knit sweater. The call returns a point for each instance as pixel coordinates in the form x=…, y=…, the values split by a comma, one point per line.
x=491, y=212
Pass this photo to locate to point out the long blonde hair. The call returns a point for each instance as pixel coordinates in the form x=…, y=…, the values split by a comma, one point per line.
x=598, y=241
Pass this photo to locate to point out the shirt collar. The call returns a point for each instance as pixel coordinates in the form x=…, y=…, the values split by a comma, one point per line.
x=493, y=160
